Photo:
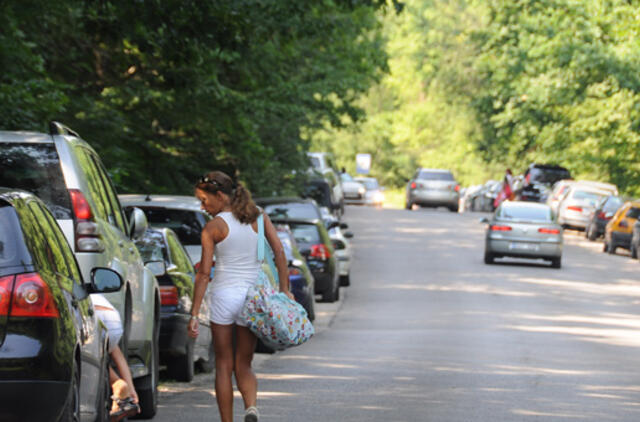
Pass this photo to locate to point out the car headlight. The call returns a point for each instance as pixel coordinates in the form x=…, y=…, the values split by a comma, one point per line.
x=361, y=191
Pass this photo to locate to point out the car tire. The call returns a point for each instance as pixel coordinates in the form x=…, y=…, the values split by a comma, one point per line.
x=612, y=248
x=336, y=295
x=488, y=258
x=147, y=386
x=311, y=309
x=329, y=295
x=453, y=209
x=181, y=368
x=71, y=411
x=634, y=251
x=556, y=262
x=591, y=233
x=345, y=280
x=605, y=246
x=207, y=366
x=408, y=205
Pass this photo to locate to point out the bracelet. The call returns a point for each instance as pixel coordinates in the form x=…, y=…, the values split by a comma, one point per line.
x=193, y=317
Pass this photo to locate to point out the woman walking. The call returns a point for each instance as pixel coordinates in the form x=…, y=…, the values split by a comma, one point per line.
x=232, y=235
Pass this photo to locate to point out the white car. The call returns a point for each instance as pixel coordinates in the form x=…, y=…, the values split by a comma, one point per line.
x=341, y=245
x=354, y=192
x=374, y=193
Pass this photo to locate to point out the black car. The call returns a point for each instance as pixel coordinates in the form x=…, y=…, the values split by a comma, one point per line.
x=538, y=179
x=293, y=207
x=316, y=246
x=603, y=213
x=53, y=350
x=176, y=277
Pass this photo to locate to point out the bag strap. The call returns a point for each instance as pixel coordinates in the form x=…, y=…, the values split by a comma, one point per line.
x=261, y=238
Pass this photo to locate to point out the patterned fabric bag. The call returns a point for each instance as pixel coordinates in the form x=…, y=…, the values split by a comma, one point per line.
x=274, y=318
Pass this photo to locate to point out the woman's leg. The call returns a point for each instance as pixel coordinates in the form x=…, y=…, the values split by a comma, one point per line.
x=223, y=347
x=245, y=378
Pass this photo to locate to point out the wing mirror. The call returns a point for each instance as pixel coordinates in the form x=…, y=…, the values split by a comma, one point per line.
x=484, y=220
x=105, y=280
x=157, y=268
x=344, y=226
x=348, y=235
x=138, y=223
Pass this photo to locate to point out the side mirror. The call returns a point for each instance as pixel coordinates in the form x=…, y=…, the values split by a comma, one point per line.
x=105, y=280
x=344, y=226
x=484, y=220
x=157, y=268
x=333, y=224
x=348, y=235
x=171, y=268
x=138, y=223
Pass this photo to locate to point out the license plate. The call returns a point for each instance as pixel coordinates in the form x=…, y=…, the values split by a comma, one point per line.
x=523, y=246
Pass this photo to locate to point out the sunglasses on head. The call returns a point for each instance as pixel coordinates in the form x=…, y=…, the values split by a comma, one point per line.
x=205, y=179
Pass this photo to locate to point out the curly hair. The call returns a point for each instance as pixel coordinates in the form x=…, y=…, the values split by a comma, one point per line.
x=242, y=206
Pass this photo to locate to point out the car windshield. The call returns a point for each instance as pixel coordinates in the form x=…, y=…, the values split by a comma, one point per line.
x=36, y=168
x=525, y=213
x=151, y=247
x=13, y=252
x=548, y=175
x=435, y=175
x=305, y=210
x=370, y=184
x=634, y=212
x=306, y=234
x=346, y=177
x=187, y=224
x=315, y=162
x=612, y=204
x=586, y=196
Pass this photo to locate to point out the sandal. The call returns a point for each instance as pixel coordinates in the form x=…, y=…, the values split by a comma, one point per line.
x=251, y=414
x=126, y=407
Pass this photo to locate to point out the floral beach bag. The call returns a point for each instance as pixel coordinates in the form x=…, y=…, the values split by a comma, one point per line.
x=274, y=318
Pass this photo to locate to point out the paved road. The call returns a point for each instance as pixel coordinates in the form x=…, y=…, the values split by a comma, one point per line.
x=427, y=332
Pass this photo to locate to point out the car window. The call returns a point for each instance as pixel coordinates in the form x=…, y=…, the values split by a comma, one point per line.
x=36, y=168
x=115, y=211
x=586, y=196
x=315, y=162
x=633, y=212
x=370, y=184
x=305, y=233
x=73, y=272
x=12, y=249
x=94, y=182
x=302, y=210
x=525, y=213
x=346, y=177
x=612, y=204
x=151, y=247
x=178, y=256
x=435, y=175
x=52, y=259
x=548, y=175
x=186, y=224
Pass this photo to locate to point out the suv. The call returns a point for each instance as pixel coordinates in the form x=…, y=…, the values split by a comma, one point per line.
x=67, y=174
x=538, y=179
x=433, y=188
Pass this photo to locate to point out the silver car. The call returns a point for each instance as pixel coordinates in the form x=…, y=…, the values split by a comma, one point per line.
x=523, y=230
x=374, y=194
x=433, y=188
x=578, y=204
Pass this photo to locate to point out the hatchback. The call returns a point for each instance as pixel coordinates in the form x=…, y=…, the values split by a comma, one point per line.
x=68, y=175
x=53, y=349
x=433, y=188
x=578, y=203
x=601, y=215
x=618, y=231
x=176, y=277
x=523, y=230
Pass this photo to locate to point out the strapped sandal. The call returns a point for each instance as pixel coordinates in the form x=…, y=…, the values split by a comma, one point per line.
x=126, y=407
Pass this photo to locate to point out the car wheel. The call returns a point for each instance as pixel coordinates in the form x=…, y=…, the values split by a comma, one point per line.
x=408, y=205
x=605, y=246
x=556, y=262
x=345, y=280
x=453, y=209
x=612, y=248
x=311, y=309
x=181, y=367
x=591, y=233
x=329, y=295
x=336, y=296
x=488, y=258
x=634, y=251
x=147, y=386
x=71, y=411
x=210, y=364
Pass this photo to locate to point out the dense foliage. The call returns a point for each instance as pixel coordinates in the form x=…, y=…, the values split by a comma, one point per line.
x=478, y=86
x=166, y=90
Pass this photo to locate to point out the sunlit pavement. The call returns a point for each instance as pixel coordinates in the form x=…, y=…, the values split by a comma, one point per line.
x=427, y=332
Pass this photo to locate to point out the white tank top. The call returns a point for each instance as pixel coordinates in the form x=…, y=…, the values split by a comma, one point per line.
x=237, y=262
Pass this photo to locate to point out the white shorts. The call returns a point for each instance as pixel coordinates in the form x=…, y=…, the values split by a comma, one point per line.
x=225, y=305
x=110, y=317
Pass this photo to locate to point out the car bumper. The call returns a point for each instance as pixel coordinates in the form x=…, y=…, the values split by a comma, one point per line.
x=526, y=249
x=575, y=219
x=173, y=334
x=434, y=198
x=32, y=400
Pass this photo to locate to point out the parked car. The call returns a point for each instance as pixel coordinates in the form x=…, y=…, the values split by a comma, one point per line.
x=301, y=282
x=316, y=246
x=290, y=207
x=180, y=213
x=558, y=193
x=354, y=191
x=341, y=245
x=176, y=276
x=483, y=200
x=53, y=349
x=577, y=205
x=322, y=190
x=635, y=240
x=523, y=230
x=68, y=175
x=433, y=188
x=601, y=215
x=324, y=164
x=374, y=193
x=538, y=180
x=618, y=231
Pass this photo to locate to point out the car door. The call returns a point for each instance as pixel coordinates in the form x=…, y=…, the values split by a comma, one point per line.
x=70, y=280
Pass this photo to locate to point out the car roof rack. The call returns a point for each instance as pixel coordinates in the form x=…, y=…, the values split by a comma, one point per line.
x=57, y=128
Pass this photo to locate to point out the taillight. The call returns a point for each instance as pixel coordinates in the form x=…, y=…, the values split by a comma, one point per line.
x=320, y=251
x=87, y=231
x=548, y=231
x=574, y=208
x=169, y=295
x=32, y=298
x=498, y=228
x=294, y=271
x=6, y=286
x=457, y=188
x=413, y=185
